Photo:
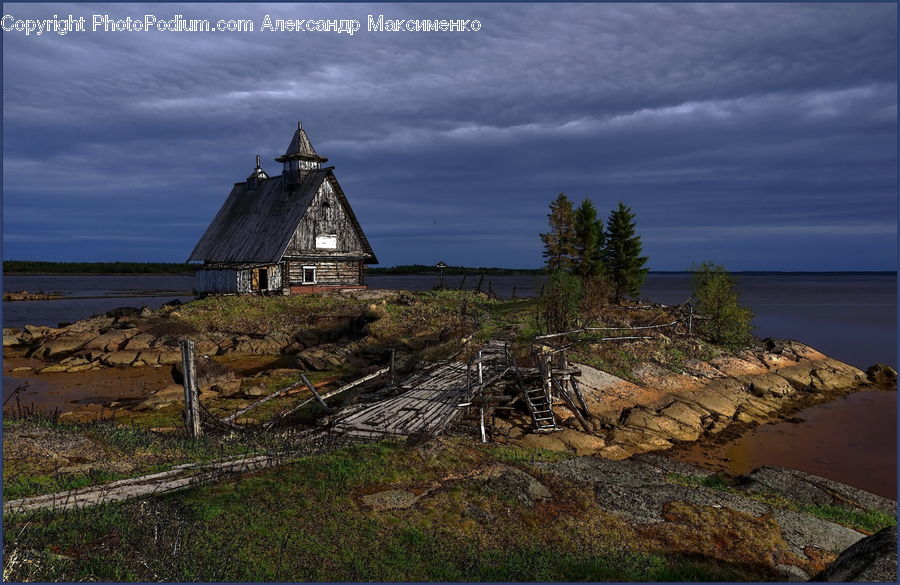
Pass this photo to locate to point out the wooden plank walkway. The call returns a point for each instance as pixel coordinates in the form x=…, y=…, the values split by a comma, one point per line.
x=429, y=404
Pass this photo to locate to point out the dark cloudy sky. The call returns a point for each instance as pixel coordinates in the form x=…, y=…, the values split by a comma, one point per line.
x=759, y=136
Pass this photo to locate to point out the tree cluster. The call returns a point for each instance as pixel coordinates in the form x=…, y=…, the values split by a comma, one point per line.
x=606, y=259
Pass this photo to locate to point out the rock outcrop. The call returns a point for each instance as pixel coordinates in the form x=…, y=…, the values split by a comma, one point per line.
x=661, y=407
x=670, y=500
x=872, y=559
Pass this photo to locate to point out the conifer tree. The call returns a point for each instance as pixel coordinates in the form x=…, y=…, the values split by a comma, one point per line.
x=728, y=322
x=622, y=254
x=589, y=241
x=559, y=242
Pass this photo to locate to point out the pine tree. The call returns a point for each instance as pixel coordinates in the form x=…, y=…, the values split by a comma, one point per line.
x=559, y=242
x=622, y=254
x=589, y=241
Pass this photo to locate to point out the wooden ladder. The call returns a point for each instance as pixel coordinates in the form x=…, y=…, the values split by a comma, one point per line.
x=540, y=408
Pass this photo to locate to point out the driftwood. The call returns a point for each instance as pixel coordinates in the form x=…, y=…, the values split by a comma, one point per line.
x=275, y=394
x=571, y=404
x=587, y=411
x=584, y=329
x=177, y=478
x=321, y=398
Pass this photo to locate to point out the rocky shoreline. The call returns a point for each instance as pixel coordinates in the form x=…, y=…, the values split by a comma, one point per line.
x=753, y=387
x=659, y=408
x=24, y=295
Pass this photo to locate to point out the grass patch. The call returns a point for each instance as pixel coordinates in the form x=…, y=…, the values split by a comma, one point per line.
x=306, y=522
x=511, y=454
x=868, y=521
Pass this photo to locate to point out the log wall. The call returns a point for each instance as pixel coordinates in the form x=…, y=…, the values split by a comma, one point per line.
x=325, y=216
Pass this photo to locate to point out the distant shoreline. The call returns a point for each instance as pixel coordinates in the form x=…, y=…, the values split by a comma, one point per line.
x=35, y=268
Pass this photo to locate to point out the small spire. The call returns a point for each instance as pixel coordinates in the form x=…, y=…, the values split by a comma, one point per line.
x=257, y=161
x=299, y=125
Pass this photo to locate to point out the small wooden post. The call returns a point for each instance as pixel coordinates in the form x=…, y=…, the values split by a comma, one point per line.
x=690, y=319
x=191, y=392
x=481, y=393
x=393, y=355
x=548, y=376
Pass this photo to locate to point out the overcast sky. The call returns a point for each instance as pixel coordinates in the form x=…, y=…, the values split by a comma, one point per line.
x=763, y=137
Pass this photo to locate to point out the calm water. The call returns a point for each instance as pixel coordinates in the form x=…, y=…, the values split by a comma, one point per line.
x=851, y=317
x=829, y=435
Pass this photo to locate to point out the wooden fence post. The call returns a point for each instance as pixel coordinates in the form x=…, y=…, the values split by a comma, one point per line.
x=481, y=393
x=393, y=355
x=191, y=392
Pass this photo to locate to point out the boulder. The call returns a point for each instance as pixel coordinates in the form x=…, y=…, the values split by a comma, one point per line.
x=59, y=345
x=120, y=358
x=256, y=391
x=515, y=483
x=660, y=425
x=686, y=415
x=710, y=399
x=140, y=341
x=161, y=398
x=120, y=312
x=542, y=441
x=209, y=372
x=824, y=379
x=769, y=385
x=873, y=558
x=581, y=443
x=879, y=374
x=37, y=331
x=316, y=358
x=112, y=340
x=9, y=340
x=390, y=500
x=307, y=337
x=811, y=489
x=797, y=375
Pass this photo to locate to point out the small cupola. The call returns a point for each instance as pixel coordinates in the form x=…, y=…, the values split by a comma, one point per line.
x=299, y=160
x=256, y=177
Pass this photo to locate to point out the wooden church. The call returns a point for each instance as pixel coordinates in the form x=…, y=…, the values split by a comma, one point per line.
x=288, y=234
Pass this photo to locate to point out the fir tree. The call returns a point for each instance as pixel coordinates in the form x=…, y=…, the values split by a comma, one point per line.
x=622, y=254
x=589, y=241
x=728, y=322
x=559, y=242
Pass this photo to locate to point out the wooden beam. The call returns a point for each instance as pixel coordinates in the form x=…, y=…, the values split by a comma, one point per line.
x=568, y=400
x=335, y=392
x=275, y=394
x=313, y=389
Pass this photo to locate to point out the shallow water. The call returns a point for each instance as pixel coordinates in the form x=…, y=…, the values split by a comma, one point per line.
x=852, y=440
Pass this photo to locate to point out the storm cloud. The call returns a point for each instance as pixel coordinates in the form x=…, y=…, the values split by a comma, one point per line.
x=759, y=136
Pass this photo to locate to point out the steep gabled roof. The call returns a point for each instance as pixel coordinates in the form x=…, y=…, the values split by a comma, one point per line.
x=257, y=226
